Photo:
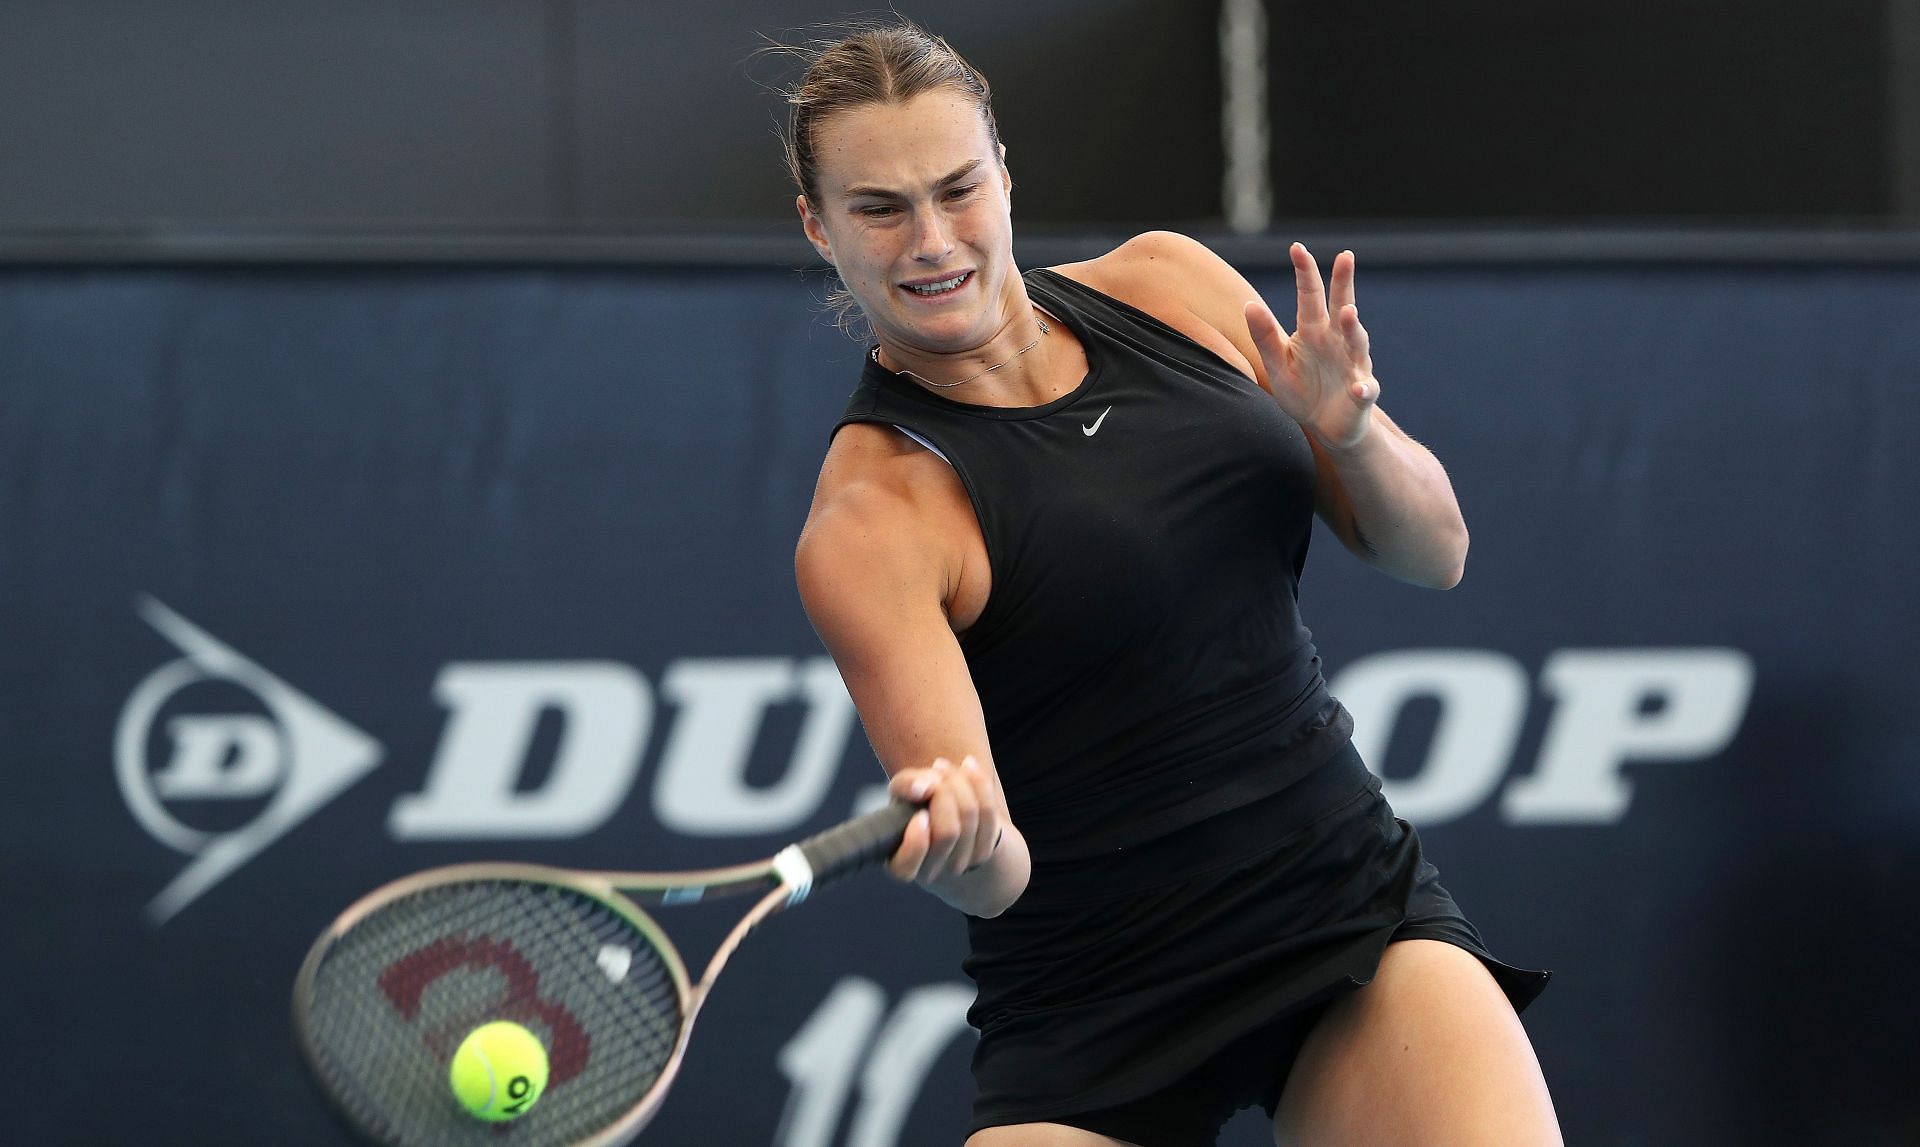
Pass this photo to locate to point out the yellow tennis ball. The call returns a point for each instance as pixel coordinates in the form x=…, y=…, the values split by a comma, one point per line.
x=499, y=1071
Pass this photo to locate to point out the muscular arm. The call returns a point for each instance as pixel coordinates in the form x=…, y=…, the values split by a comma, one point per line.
x=1383, y=494
x=875, y=578
x=1392, y=504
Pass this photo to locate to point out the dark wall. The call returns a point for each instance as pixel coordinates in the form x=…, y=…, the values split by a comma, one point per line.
x=610, y=114
x=501, y=114
x=1686, y=108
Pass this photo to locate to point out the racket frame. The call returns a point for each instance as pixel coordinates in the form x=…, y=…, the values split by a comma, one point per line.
x=787, y=878
x=618, y=892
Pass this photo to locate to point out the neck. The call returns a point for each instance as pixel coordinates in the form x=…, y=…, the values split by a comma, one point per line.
x=1008, y=366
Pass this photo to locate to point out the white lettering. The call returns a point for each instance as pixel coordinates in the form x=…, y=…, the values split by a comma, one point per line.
x=222, y=756
x=1483, y=702
x=702, y=788
x=606, y=710
x=927, y=1020
x=821, y=1058
x=1620, y=705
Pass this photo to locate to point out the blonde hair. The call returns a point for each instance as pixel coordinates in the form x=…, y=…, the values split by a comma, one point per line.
x=888, y=63
x=876, y=64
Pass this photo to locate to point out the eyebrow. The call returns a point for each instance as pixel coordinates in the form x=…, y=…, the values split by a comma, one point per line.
x=958, y=174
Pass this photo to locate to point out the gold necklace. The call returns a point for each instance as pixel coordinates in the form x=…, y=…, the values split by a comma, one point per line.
x=1045, y=330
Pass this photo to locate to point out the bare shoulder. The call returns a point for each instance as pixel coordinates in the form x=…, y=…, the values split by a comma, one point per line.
x=1150, y=253
x=1180, y=281
x=875, y=468
x=873, y=535
x=870, y=485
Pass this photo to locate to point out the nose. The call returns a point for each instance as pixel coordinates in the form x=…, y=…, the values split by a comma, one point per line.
x=932, y=241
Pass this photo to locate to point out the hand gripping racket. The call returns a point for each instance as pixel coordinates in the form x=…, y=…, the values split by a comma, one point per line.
x=390, y=990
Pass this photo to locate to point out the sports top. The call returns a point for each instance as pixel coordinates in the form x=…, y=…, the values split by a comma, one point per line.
x=1141, y=662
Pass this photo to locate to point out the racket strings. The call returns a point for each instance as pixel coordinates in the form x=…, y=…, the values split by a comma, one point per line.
x=397, y=993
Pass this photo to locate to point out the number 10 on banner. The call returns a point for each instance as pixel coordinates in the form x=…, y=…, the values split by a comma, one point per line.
x=852, y=1040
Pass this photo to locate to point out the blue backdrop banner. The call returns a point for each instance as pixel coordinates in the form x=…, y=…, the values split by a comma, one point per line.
x=309, y=579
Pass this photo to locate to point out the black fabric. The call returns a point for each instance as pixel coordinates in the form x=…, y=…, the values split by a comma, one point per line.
x=1141, y=642
x=1212, y=859
x=1192, y=1111
x=1109, y=1000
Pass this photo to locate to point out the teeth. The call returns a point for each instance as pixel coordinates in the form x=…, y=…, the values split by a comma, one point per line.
x=938, y=288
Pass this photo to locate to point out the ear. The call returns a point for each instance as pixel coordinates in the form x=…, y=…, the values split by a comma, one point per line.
x=816, y=231
x=1006, y=173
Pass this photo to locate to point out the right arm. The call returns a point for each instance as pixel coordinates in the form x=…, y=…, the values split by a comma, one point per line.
x=876, y=578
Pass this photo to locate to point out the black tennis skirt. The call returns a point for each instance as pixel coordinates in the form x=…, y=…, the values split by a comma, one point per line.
x=1115, y=978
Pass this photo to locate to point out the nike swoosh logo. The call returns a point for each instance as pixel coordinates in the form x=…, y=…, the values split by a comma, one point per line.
x=1090, y=431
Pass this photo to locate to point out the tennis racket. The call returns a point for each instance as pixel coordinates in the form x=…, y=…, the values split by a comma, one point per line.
x=393, y=986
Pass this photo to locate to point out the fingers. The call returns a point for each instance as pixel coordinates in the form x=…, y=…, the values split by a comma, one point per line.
x=1317, y=303
x=1268, y=338
x=1359, y=346
x=1306, y=282
x=913, y=786
x=905, y=862
x=1340, y=287
x=959, y=826
x=951, y=818
x=990, y=828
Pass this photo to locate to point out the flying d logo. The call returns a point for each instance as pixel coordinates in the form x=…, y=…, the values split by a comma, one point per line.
x=296, y=756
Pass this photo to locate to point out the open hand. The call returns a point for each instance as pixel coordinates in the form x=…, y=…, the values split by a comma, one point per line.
x=1322, y=374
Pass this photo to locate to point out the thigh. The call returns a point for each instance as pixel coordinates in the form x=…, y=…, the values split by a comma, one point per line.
x=1430, y=1052
x=1040, y=1135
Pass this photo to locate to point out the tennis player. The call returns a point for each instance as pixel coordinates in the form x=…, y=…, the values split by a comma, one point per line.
x=1055, y=550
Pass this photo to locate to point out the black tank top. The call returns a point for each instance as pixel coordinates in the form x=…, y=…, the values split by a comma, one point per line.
x=1141, y=662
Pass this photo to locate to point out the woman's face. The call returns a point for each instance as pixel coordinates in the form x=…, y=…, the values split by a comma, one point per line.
x=913, y=213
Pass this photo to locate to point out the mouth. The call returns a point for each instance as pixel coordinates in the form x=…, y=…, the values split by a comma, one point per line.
x=935, y=288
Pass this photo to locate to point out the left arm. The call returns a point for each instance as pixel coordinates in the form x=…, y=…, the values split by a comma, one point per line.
x=1385, y=495
x=1392, y=504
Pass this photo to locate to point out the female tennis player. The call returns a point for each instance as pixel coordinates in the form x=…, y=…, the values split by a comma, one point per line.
x=1055, y=550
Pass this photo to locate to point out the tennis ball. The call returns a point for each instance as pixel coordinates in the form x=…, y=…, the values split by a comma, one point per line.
x=499, y=1071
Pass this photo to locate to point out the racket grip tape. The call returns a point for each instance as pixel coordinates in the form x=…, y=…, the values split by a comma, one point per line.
x=857, y=843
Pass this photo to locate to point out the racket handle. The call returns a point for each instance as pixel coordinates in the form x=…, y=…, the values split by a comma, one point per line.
x=857, y=843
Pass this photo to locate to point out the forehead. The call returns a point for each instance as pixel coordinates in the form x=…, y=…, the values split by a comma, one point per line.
x=901, y=145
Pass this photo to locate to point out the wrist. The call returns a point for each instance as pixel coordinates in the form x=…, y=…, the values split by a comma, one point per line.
x=1360, y=444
